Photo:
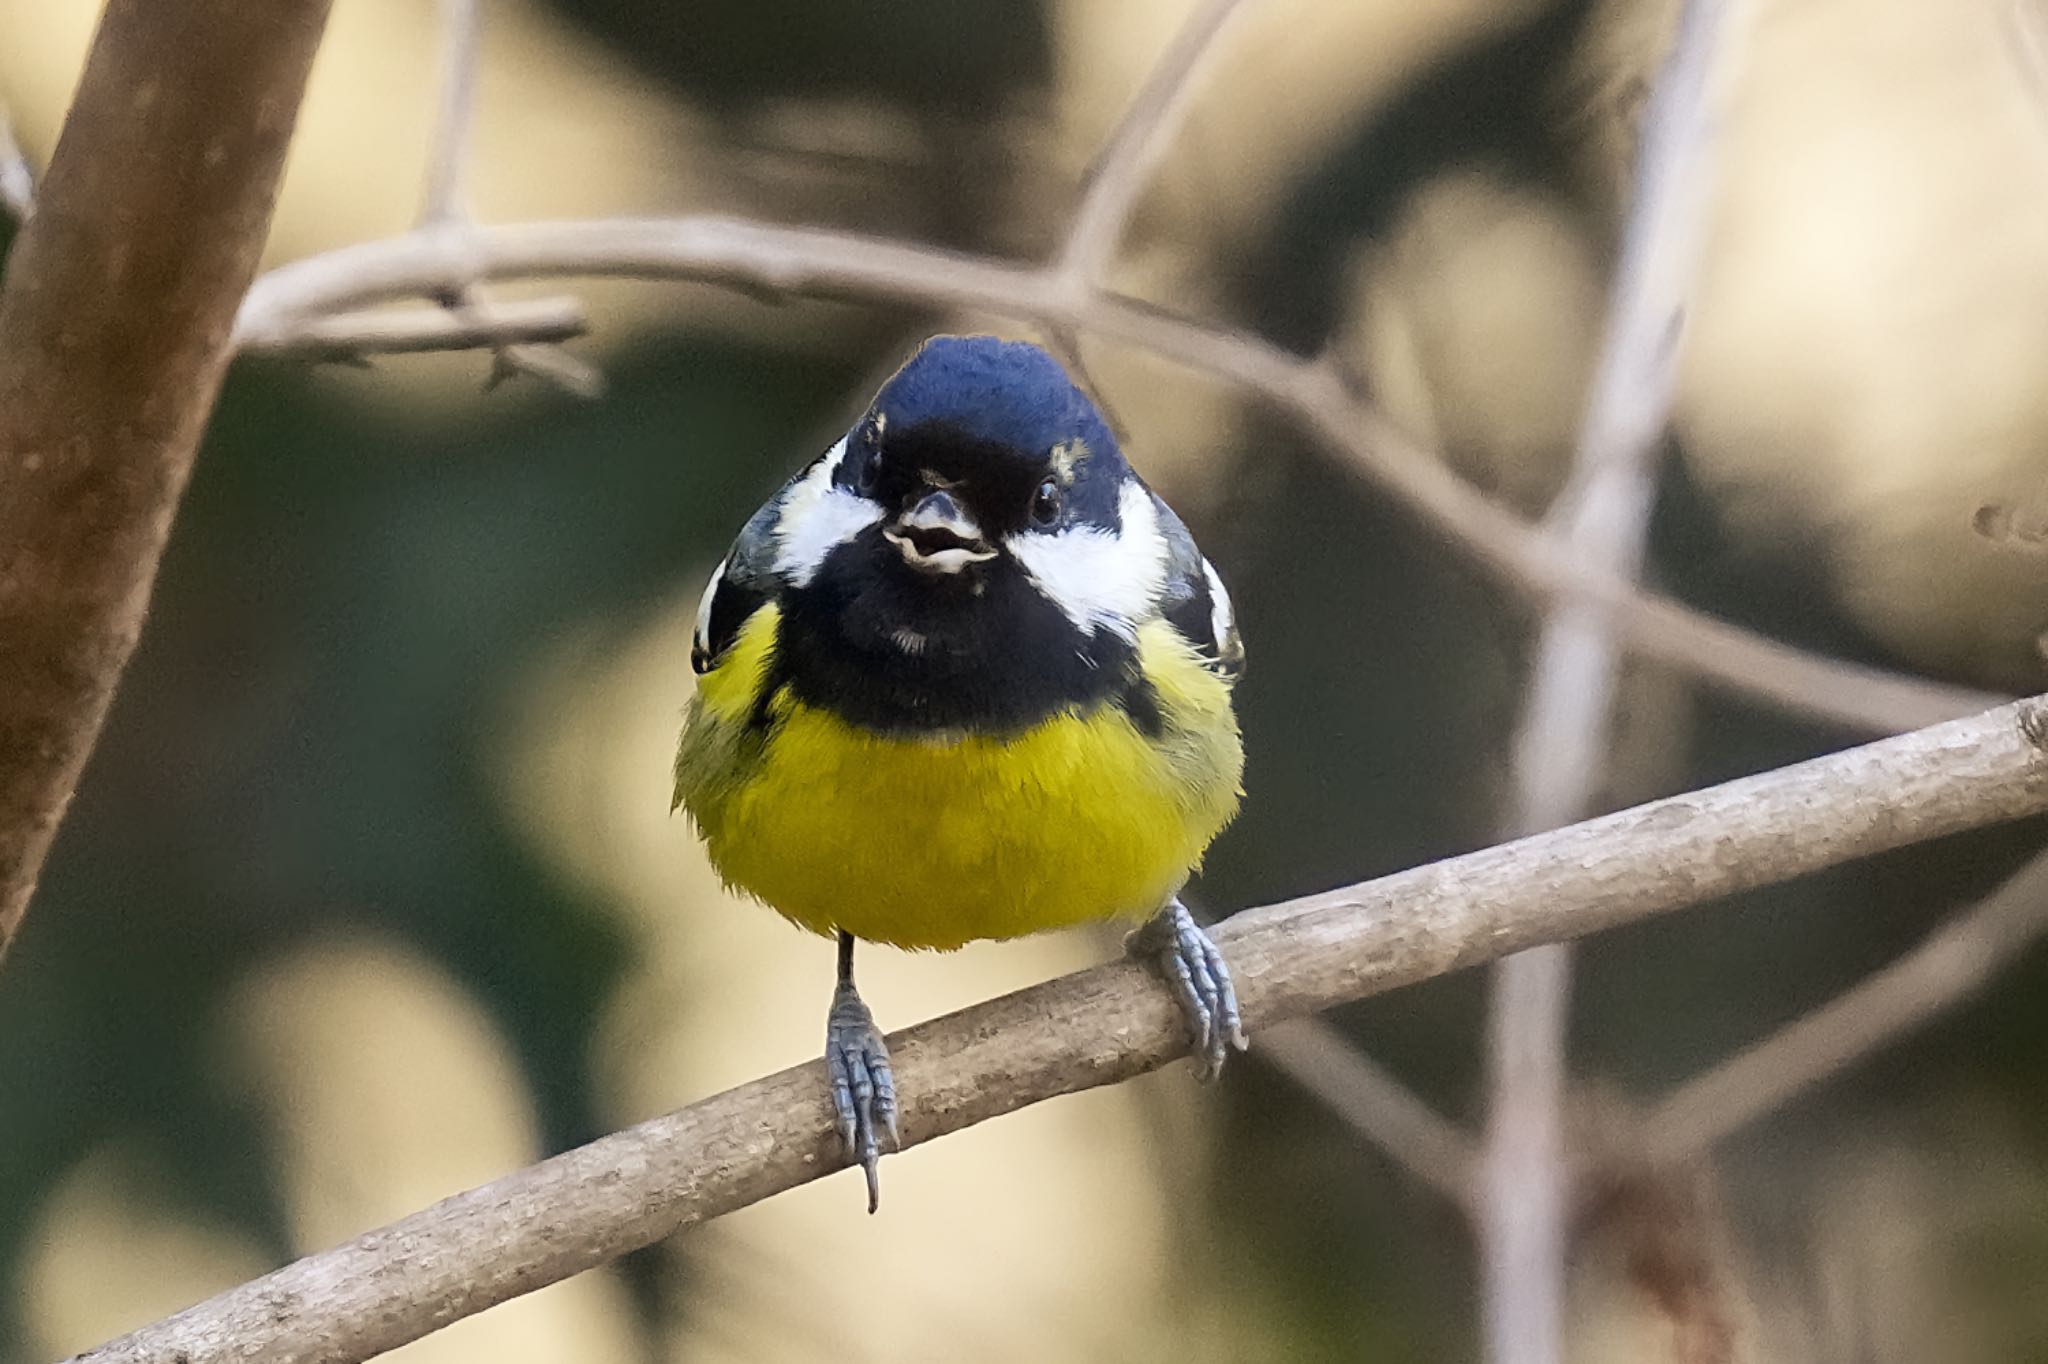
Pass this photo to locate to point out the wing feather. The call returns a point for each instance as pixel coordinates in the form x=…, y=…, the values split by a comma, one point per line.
x=1196, y=602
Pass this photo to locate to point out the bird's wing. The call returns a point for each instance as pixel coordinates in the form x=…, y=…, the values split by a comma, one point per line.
x=742, y=584
x=1195, y=601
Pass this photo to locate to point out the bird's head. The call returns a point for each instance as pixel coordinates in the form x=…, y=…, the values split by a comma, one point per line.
x=980, y=449
x=980, y=460
x=979, y=519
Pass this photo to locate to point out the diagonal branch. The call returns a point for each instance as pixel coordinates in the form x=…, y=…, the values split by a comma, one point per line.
x=1105, y=1025
x=1124, y=169
x=1958, y=958
x=1561, y=745
x=115, y=330
x=823, y=263
x=1374, y=1103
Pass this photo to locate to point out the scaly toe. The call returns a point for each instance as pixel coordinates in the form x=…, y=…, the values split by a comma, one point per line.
x=863, y=1086
x=1201, y=983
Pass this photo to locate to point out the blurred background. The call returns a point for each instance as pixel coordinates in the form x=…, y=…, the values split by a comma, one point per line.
x=371, y=892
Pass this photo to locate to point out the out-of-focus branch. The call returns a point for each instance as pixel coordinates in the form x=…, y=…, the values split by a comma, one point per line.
x=507, y=333
x=352, y=337
x=823, y=263
x=1105, y=1025
x=1124, y=169
x=1373, y=1103
x=448, y=154
x=1561, y=745
x=17, y=181
x=1958, y=958
x=115, y=329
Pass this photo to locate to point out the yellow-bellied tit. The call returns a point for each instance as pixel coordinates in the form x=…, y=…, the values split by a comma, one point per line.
x=966, y=676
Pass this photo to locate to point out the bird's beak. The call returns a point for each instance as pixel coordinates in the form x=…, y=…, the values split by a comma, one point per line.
x=938, y=536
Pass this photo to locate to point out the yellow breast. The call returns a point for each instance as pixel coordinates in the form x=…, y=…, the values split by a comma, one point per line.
x=936, y=842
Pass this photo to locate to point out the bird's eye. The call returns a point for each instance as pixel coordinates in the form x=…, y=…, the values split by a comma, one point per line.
x=1045, y=502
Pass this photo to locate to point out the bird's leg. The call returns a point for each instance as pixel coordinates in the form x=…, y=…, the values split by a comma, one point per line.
x=863, y=1085
x=1176, y=944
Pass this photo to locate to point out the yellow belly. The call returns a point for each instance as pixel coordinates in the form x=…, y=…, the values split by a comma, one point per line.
x=934, y=843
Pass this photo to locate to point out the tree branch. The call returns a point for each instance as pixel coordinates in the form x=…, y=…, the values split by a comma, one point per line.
x=514, y=351
x=351, y=337
x=1124, y=169
x=461, y=42
x=1105, y=1025
x=1323, y=1061
x=115, y=329
x=1958, y=958
x=831, y=264
x=1562, y=744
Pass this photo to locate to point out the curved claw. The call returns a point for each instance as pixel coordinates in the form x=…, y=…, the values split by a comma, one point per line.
x=863, y=1085
x=1200, y=978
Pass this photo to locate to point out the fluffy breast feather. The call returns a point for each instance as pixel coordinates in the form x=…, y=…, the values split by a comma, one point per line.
x=935, y=841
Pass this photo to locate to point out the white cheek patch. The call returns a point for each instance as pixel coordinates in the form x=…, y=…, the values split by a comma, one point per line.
x=816, y=517
x=1222, y=618
x=701, y=638
x=1100, y=579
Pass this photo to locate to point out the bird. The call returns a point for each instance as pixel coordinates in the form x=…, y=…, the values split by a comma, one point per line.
x=965, y=676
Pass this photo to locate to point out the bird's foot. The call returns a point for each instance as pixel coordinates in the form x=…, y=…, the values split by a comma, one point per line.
x=863, y=1085
x=1176, y=944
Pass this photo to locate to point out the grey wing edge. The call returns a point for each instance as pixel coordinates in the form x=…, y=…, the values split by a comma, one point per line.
x=742, y=584
x=1196, y=602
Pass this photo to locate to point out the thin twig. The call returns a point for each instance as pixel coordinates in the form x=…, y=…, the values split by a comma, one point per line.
x=448, y=153
x=1124, y=169
x=114, y=336
x=1957, y=959
x=443, y=208
x=1105, y=1025
x=1373, y=1103
x=1561, y=745
x=405, y=331
x=825, y=263
x=17, y=180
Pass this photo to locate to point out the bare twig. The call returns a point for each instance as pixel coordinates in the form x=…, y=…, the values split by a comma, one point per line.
x=1124, y=169
x=1955, y=961
x=1372, y=1102
x=443, y=208
x=395, y=331
x=1561, y=745
x=114, y=333
x=841, y=265
x=1107, y=1024
x=17, y=181
x=461, y=48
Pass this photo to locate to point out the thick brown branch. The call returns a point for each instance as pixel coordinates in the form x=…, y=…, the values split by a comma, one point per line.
x=115, y=326
x=845, y=265
x=1108, y=1024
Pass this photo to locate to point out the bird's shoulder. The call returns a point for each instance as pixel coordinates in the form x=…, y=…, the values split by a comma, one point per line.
x=745, y=580
x=1194, y=600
